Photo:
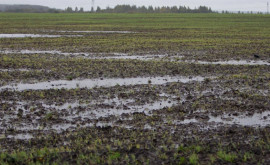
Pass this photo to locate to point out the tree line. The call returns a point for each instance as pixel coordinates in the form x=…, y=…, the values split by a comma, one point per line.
x=144, y=9
x=27, y=9
x=116, y=9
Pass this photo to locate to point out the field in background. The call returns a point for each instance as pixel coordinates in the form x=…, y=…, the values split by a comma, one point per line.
x=219, y=35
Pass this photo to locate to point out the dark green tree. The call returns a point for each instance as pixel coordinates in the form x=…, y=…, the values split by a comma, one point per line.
x=69, y=10
x=81, y=10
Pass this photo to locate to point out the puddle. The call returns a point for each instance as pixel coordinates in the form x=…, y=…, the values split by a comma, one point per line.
x=50, y=52
x=35, y=36
x=13, y=70
x=187, y=121
x=62, y=127
x=228, y=62
x=91, y=83
x=120, y=32
x=30, y=52
x=64, y=106
x=91, y=55
x=134, y=57
x=258, y=119
x=120, y=106
x=72, y=116
x=146, y=108
x=233, y=62
x=138, y=57
x=59, y=127
x=21, y=70
x=148, y=127
x=67, y=106
x=20, y=136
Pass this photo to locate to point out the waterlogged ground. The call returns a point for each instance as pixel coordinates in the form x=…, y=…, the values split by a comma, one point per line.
x=103, y=92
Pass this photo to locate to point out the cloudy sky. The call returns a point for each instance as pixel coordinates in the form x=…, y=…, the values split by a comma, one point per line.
x=232, y=5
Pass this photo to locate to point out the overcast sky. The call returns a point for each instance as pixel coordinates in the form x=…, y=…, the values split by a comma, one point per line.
x=232, y=5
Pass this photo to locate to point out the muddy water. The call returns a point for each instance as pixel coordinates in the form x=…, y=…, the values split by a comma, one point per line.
x=87, y=118
x=70, y=113
x=67, y=106
x=20, y=136
x=22, y=70
x=30, y=52
x=91, y=83
x=14, y=70
x=233, y=62
x=54, y=52
x=134, y=57
x=108, y=32
x=91, y=55
x=138, y=57
x=35, y=36
x=256, y=120
x=146, y=108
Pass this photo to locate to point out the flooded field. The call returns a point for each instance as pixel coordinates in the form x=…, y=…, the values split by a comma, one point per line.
x=91, y=83
x=34, y=36
x=104, y=93
x=121, y=32
x=176, y=57
x=235, y=62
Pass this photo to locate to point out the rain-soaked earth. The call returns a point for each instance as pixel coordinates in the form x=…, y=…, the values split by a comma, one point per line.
x=155, y=117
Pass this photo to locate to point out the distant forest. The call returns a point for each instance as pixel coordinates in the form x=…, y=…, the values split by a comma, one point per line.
x=116, y=9
x=150, y=9
x=27, y=9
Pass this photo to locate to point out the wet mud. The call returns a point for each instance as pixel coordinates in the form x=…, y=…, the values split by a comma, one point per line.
x=131, y=108
x=35, y=36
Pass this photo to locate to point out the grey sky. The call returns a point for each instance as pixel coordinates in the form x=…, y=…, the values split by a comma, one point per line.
x=232, y=5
